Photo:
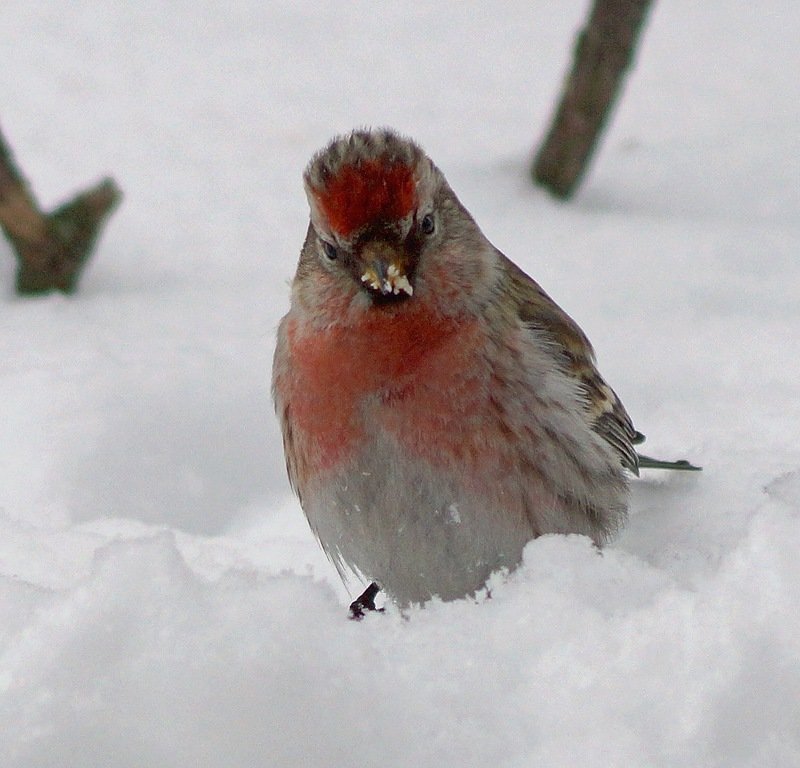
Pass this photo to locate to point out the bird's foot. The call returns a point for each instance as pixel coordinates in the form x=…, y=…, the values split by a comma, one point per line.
x=365, y=602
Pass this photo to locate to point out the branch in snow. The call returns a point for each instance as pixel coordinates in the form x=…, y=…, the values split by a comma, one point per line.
x=51, y=248
x=603, y=53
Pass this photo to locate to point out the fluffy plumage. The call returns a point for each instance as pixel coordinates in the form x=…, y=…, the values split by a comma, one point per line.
x=431, y=433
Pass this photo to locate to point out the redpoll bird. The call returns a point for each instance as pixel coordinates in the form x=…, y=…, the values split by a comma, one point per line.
x=438, y=409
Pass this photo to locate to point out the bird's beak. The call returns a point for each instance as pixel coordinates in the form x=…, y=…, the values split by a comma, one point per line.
x=385, y=269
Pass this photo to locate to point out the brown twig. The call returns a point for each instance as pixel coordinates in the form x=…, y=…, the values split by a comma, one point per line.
x=51, y=248
x=603, y=53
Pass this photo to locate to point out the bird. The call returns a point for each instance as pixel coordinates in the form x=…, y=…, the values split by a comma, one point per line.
x=438, y=409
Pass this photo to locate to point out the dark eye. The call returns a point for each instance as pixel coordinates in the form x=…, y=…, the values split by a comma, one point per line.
x=427, y=225
x=329, y=249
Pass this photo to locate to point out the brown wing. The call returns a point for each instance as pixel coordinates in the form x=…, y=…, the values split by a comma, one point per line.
x=280, y=371
x=604, y=412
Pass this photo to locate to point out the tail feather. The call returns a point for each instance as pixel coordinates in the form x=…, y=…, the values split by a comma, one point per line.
x=646, y=462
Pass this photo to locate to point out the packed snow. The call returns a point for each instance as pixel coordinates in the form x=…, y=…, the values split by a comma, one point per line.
x=162, y=601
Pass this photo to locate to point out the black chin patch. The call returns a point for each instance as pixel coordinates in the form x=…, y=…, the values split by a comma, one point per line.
x=385, y=299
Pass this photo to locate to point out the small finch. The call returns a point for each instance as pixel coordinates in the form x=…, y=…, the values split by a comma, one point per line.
x=438, y=409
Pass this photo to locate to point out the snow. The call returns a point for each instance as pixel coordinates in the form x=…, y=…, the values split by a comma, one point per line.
x=162, y=601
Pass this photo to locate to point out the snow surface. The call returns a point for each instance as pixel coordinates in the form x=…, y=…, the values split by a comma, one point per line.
x=162, y=602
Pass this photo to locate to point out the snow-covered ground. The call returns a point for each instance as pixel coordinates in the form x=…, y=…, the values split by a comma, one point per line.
x=162, y=602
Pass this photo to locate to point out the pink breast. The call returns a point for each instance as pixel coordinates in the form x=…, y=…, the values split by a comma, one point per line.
x=405, y=369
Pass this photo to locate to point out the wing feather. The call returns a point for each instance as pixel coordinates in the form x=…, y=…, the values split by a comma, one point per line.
x=604, y=411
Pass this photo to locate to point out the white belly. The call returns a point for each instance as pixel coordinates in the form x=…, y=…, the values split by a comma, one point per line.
x=416, y=532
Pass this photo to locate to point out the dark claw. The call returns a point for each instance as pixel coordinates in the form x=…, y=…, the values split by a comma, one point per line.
x=365, y=602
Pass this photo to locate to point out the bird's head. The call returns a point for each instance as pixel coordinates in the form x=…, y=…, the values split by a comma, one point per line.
x=372, y=196
x=383, y=223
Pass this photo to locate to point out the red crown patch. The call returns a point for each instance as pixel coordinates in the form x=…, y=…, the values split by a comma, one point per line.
x=373, y=190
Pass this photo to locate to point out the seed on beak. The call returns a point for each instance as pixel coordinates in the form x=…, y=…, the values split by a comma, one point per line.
x=389, y=281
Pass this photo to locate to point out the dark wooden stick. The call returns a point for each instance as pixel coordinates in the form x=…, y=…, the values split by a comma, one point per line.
x=603, y=52
x=51, y=248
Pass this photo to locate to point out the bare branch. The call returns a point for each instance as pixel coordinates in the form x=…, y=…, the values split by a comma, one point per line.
x=603, y=52
x=51, y=248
